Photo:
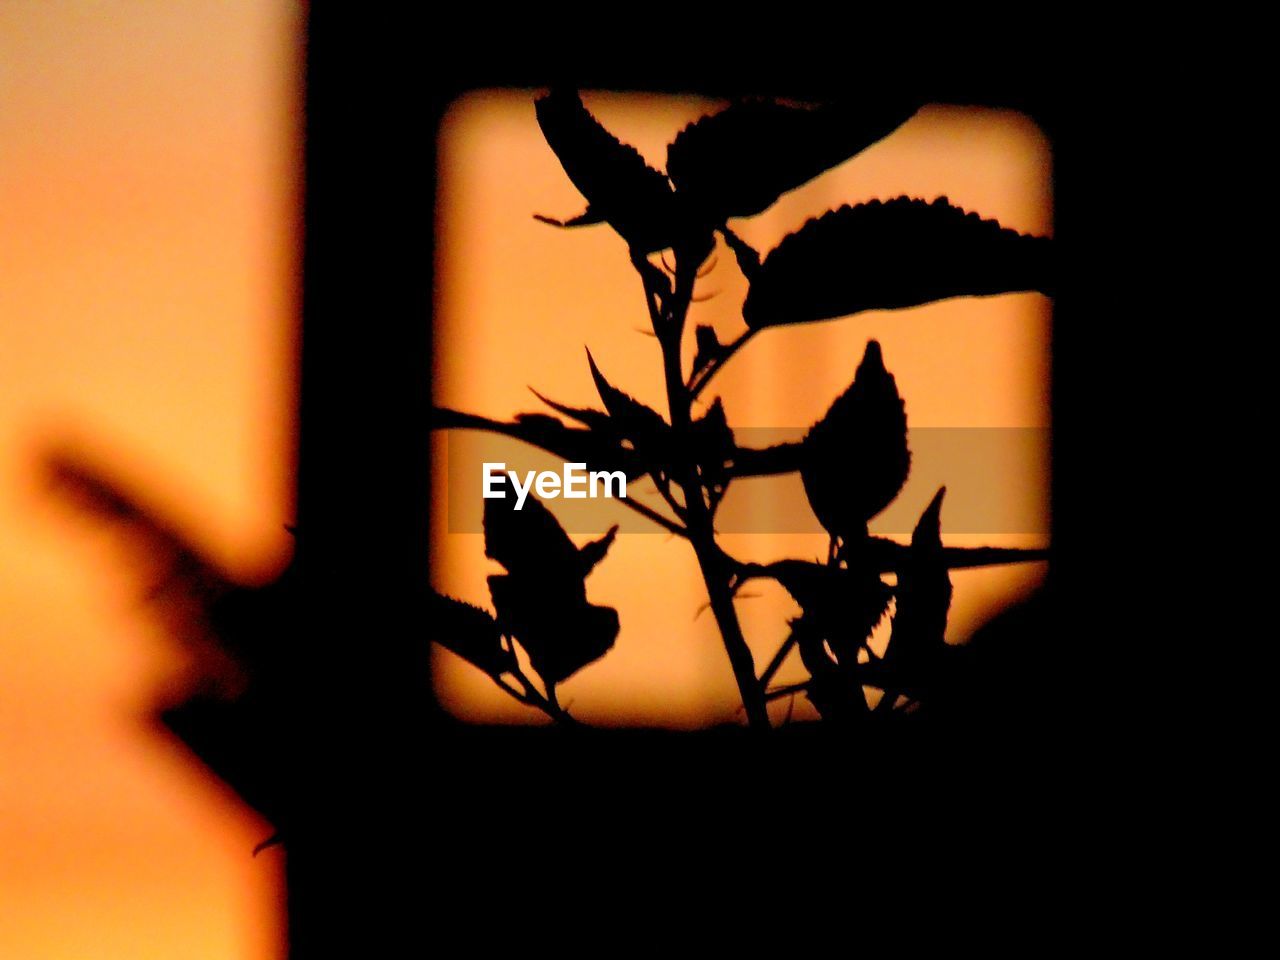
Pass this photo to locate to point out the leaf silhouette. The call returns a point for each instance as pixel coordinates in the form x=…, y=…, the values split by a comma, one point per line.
x=923, y=599
x=527, y=541
x=620, y=188
x=560, y=638
x=892, y=254
x=747, y=256
x=599, y=450
x=738, y=162
x=855, y=459
x=592, y=553
x=593, y=419
x=542, y=599
x=713, y=448
x=469, y=632
x=631, y=419
x=834, y=686
x=707, y=347
x=843, y=605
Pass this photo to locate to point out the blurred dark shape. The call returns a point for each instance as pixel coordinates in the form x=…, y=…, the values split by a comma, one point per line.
x=241, y=639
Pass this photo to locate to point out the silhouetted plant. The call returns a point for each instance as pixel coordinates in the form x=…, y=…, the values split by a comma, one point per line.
x=853, y=462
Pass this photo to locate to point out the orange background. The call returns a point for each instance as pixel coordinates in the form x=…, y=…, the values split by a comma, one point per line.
x=517, y=300
x=149, y=178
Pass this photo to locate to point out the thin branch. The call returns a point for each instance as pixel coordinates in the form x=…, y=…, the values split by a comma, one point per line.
x=547, y=704
x=890, y=555
x=516, y=694
x=698, y=384
x=716, y=572
x=779, y=692
x=776, y=663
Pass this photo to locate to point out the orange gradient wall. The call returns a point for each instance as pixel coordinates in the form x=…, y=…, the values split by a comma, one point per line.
x=518, y=300
x=149, y=178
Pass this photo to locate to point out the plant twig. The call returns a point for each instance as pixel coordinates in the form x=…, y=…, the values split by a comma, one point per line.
x=547, y=704
x=780, y=692
x=776, y=663
x=698, y=384
x=716, y=570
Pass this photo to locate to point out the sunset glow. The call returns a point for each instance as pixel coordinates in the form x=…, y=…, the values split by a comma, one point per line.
x=518, y=300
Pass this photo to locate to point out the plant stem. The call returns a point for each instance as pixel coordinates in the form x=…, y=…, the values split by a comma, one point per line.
x=788, y=690
x=715, y=566
x=776, y=663
x=699, y=384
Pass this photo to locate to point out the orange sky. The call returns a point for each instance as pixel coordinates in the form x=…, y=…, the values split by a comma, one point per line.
x=517, y=301
x=148, y=183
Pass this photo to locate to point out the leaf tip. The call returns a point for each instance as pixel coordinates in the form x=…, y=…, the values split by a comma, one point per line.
x=872, y=358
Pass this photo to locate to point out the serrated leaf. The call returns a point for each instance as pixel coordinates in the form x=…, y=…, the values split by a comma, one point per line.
x=842, y=604
x=713, y=447
x=593, y=419
x=618, y=185
x=470, y=632
x=899, y=253
x=855, y=459
x=738, y=162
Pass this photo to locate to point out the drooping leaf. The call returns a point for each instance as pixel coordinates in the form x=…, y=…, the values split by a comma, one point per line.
x=618, y=185
x=542, y=599
x=886, y=255
x=855, y=459
x=469, y=632
x=529, y=540
x=560, y=635
x=736, y=163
